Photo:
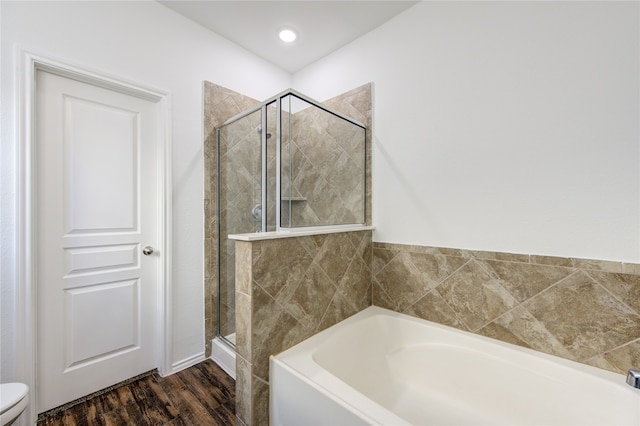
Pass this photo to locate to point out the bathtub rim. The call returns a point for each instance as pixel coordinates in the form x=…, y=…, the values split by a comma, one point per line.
x=311, y=342
x=299, y=360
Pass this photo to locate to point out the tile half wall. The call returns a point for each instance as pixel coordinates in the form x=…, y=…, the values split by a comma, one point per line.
x=287, y=290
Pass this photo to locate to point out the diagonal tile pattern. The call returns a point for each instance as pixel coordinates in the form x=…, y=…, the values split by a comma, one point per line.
x=306, y=276
x=298, y=287
x=625, y=287
x=407, y=276
x=521, y=328
x=583, y=310
x=524, y=280
x=584, y=317
x=219, y=104
x=475, y=296
x=328, y=163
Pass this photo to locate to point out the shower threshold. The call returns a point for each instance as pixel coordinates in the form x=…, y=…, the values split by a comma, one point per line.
x=224, y=354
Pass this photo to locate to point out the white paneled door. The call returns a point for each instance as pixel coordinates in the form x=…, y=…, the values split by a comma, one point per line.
x=97, y=171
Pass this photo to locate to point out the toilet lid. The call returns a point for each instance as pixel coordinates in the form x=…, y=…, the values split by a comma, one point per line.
x=11, y=394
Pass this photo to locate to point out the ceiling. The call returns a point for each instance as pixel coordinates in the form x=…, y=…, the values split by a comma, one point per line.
x=322, y=26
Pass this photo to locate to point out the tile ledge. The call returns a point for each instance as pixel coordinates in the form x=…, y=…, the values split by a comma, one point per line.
x=259, y=236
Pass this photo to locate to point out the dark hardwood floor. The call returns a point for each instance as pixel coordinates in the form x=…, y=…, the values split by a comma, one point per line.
x=200, y=395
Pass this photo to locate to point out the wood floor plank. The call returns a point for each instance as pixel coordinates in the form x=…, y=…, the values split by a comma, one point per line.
x=200, y=395
x=92, y=411
x=222, y=386
x=187, y=404
x=225, y=414
x=67, y=420
x=130, y=404
x=154, y=401
x=194, y=379
x=117, y=414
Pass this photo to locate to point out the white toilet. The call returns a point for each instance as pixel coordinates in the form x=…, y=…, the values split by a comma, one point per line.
x=14, y=398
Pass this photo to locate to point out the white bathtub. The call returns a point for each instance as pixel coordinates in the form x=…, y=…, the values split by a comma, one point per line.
x=380, y=367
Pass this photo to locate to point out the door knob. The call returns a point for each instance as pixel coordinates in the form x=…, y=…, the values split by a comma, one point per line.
x=147, y=250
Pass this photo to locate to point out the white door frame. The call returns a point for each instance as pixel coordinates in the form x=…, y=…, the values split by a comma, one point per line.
x=25, y=217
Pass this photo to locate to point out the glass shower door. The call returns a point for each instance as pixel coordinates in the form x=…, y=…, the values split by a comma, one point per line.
x=240, y=209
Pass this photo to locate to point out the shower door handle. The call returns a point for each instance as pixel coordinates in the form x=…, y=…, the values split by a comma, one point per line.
x=147, y=250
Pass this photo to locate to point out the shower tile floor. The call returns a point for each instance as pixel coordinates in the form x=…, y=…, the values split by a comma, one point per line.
x=200, y=395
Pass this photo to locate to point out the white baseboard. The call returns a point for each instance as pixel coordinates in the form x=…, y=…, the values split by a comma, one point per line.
x=187, y=362
x=224, y=356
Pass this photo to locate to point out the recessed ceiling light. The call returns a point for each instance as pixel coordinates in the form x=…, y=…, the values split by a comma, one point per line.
x=287, y=35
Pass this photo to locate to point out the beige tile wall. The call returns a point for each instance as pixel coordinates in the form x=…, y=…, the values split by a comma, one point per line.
x=358, y=104
x=583, y=310
x=219, y=105
x=327, y=170
x=287, y=290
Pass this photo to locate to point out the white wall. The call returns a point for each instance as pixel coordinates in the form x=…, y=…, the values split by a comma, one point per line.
x=503, y=126
x=147, y=43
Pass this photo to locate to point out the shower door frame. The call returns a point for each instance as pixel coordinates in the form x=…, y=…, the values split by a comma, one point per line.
x=277, y=99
